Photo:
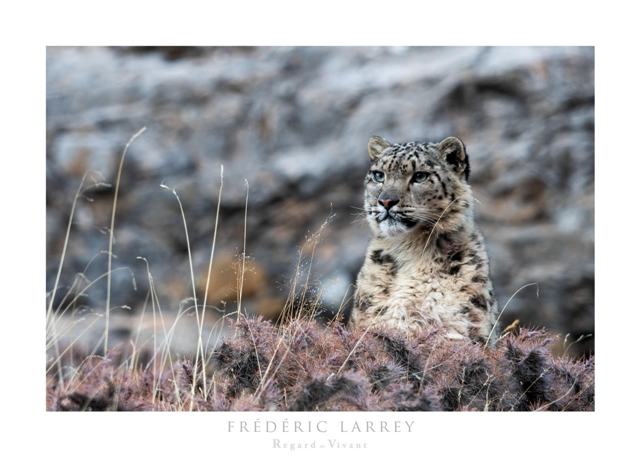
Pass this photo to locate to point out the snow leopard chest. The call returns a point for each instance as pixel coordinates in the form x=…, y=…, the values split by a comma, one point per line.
x=408, y=293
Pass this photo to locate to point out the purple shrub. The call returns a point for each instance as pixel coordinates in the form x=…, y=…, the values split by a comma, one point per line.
x=306, y=366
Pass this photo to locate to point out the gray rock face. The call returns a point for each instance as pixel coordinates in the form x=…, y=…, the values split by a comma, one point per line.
x=293, y=124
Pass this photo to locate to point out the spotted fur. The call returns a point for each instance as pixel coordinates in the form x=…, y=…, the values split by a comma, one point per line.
x=427, y=261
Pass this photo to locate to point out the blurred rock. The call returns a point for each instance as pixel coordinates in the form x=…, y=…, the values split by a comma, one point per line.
x=294, y=123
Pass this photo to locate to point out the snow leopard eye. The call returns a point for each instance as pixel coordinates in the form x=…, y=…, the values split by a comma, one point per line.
x=378, y=176
x=420, y=176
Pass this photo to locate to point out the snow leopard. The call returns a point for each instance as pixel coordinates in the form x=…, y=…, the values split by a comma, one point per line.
x=427, y=262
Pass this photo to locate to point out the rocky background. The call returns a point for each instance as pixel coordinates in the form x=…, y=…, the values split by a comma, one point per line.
x=292, y=124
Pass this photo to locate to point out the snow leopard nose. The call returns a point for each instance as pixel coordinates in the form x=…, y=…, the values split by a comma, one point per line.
x=388, y=201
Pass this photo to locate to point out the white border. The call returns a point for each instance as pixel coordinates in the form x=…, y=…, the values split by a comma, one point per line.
x=29, y=27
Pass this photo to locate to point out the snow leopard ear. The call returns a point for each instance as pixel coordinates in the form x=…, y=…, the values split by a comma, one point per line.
x=454, y=152
x=377, y=145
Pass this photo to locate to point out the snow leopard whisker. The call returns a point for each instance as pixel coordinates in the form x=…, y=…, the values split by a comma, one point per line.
x=420, y=218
